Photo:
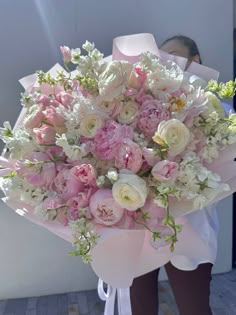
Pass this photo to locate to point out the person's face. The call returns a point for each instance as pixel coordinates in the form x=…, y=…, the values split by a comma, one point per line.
x=175, y=47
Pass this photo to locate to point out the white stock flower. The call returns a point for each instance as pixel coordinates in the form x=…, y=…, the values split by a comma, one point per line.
x=6, y=132
x=40, y=212
x=72, y=151
x=75, y=55
x=88, y=46
x=130, y=191
x=112, y=174
x=21, y=144
x=199, y=202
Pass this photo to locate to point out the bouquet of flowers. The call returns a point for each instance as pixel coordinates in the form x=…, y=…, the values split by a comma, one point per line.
x=118, y=145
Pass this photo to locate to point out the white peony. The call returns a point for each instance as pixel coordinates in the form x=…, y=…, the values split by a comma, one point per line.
x=162, y=75
x=113, y=80
x=130, y=191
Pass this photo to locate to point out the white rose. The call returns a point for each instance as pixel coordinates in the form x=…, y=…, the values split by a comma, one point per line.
x=128, y=112
x=113, y=80
x=130, y=191
x=90, y=124
x=175, y=134
x=213, y=105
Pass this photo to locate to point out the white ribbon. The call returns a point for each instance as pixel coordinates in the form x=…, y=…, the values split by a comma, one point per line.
x=123, y=298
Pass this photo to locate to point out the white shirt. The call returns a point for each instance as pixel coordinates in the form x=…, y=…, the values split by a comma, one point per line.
x=206, y=224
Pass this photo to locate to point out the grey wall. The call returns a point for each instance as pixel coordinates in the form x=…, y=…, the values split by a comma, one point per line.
x=32, y=261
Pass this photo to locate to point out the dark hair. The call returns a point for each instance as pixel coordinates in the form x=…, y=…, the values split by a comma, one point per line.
x=188, y=43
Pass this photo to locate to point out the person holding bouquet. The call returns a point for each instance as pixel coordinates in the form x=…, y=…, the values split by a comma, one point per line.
x=189, y=278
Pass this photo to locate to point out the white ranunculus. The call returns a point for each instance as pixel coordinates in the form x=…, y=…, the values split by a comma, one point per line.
x=128, y=112
x=113, y=80
x=90, y=124
x=213, y=105
x=175, y=134
x=130, y=191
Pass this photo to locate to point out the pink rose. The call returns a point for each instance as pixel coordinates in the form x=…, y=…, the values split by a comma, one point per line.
x=108, y=139
x=53, y=117
x=65, y=98
x=165, y=170
x=85, y=173
x=66, y=53
x=45, y=134
x=56, y=153
x=129, y=156
x=41, y=173
x=137, y=78
x=44, y=100
x=150, y=116
x=104, y=209
x=34, y=117
x=46, y=89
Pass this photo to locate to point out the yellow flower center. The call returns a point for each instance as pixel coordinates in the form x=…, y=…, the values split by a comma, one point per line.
x=177, y=104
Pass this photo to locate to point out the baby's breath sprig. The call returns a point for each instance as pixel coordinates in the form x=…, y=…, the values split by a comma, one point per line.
x=85, y=238
x=144, y=216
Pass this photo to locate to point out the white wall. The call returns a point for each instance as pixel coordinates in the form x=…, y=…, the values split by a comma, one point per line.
x=32, y=261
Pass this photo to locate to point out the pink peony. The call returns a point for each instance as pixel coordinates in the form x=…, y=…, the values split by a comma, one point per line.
x=108, y=139
x=45, y=134
x=78, y=202
x=66, y=53
x=53, y=117
x=165, y=170
x=66, y=185
x=150, y=116
x=41, y=173
x=129, y=156
x=104, y=209
x=143, y=96
x=85, y=173
x=65, y=98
